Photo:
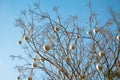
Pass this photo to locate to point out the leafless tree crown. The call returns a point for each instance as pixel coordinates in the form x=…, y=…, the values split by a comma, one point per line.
x=62, y=49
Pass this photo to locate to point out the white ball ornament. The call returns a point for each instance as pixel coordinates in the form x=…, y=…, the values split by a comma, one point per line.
x=42, y=59
x=77, y=36
x=46, y=47
x=89, y=32
x=72, y=47
x=99, y=67
x=56, y=29
x=118, y=37
x=101, y=53
x=95, y=31
x=26, y=38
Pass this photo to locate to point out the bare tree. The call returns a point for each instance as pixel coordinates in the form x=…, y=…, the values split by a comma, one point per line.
x=61, y=49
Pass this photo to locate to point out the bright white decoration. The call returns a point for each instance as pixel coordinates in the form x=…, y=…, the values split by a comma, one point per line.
x=101, y=53
x=118, y=37
x=99, y=67
x=72, y=47
x=89, y=32
x=96, y=31
x=56, y=29
x=76, y=36
x=46, y=47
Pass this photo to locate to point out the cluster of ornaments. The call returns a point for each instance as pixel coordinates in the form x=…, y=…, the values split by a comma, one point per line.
x=94, y=30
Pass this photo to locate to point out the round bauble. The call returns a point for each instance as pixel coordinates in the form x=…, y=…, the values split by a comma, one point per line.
x=20, y=42
x=26, y=38
x=46, y=47
x=76, y=36
x=99, y=67
x=34, y=64
x=89, y=32
x=101, y=53
x=72, y=47
x=42, y=59
x=56, y=29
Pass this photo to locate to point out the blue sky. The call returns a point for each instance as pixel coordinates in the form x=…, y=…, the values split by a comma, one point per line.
x=9, y=34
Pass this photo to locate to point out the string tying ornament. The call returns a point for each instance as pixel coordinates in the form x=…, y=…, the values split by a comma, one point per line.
x=27, y=36
x=20, y=41
x=42, y=59
x=72, y=47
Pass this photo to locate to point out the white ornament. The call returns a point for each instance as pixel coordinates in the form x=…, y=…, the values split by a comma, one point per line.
x=95, y=31
x=99, y=67
x=101, y=53
x=42, y=59
x=26, y=38
x=20, y=42
x=56, y=29
x=76, y=36
x=34, y=64
x=68, y=59
x=46, y=47
x=72, y=47
x=89, y=32
x=118, y=37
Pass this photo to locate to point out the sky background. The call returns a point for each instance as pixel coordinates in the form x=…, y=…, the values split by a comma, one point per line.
x=9, y=34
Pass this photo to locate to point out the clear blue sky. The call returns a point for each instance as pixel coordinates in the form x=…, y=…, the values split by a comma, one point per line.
x=9, y=34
